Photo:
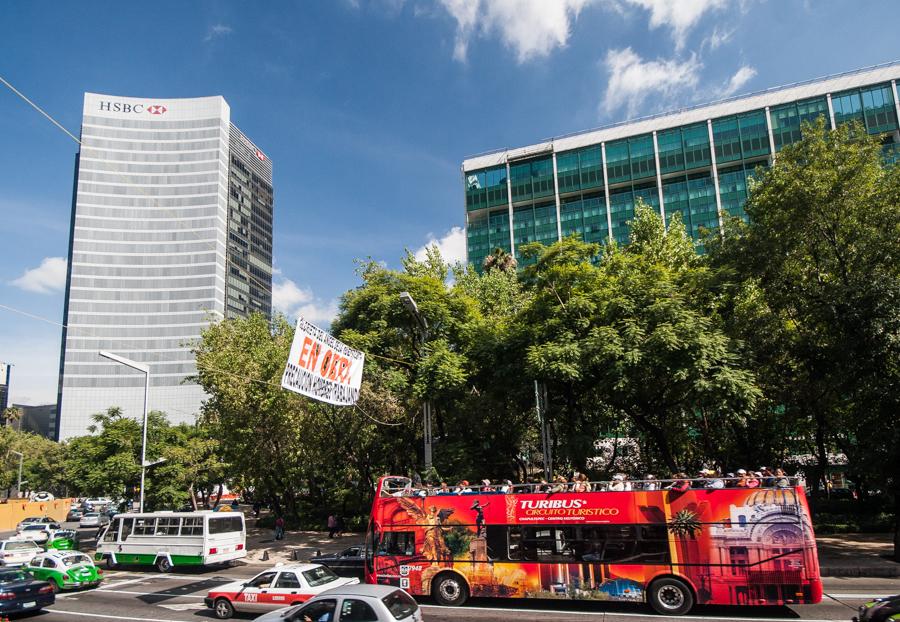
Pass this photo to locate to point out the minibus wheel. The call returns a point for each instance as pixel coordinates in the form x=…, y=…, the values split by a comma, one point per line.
x=671, y=596
x=110, y=564
x=163, y=564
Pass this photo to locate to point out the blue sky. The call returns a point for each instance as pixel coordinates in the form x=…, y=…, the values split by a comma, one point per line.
x=367, y=109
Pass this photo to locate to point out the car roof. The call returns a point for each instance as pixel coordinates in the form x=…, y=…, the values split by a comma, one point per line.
x=361, y=589
x=8, y=540
x=291, y=567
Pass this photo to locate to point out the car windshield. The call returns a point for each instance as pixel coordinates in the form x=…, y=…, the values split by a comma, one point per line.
x=92, y=514
x=34, y=528
x=73, y=560
x=8, y=576
x=320, y=575
x=64, y=533
x=400, y=604
x=19, y=546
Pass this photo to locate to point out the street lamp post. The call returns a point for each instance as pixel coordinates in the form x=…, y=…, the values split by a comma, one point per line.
x=413, y=309
x=145, y=369
x=19, y=484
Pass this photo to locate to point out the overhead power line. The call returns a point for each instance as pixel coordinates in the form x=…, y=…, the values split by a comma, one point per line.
x=39, y=109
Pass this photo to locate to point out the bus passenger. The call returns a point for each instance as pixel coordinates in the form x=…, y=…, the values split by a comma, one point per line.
x=680, y=484
x=650, y=483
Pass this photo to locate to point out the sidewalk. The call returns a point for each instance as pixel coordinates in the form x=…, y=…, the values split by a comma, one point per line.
x=857, y=555
x=262, y=541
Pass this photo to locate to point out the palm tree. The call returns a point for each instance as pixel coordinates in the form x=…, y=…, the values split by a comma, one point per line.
x=11, y=416
x=684, y=523
x=499, y=259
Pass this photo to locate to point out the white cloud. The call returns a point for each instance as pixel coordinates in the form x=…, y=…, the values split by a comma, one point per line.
x=717, y=39
x=678, y=15
x=293, y=301
x=217, y=30
x=532, y=28
x=741, y=77
x=632, y=79
x=452, y=246
x=47, y=278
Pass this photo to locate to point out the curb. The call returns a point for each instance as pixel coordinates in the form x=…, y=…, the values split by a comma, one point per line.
x=885, y=572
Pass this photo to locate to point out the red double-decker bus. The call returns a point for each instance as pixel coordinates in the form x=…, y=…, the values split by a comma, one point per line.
x=671, y=548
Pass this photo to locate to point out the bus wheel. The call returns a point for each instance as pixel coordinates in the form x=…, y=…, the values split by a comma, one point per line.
x=671, y=596
x=450, y=590
x=223, y=609
x=163, y=564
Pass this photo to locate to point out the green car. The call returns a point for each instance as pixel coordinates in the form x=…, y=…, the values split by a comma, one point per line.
x=65, y=570
x=62, y=540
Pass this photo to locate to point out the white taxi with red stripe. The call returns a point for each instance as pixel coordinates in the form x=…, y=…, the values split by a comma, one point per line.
x=277, y=587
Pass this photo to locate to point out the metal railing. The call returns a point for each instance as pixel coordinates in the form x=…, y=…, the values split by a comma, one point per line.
x=403, y=486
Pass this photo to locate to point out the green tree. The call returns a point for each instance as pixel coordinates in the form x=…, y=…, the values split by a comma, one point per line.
x=819, y=264
x=626, y=342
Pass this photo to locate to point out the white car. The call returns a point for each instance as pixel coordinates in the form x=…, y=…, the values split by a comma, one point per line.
x=18, y=552
x=94, y=504
x=279, y=586
x=42, y=496
x=36, y=520
x=36, y=532
x=373, y=603
x=93, y=519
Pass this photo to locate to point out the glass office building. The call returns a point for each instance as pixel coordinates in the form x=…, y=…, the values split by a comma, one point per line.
x=171, y=230
x=695, y=161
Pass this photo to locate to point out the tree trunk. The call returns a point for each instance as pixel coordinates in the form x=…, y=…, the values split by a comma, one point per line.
x=193, y=496
x=219, y=495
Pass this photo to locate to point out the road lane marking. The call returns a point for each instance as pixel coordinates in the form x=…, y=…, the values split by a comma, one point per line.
x=512, y=611
x=108, y=617
x=165, y=593
x=183, y=606
x=859, y=596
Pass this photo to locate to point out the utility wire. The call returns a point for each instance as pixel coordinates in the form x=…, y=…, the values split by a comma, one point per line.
x=39, y=109
x=165, y=210
x=198, y=364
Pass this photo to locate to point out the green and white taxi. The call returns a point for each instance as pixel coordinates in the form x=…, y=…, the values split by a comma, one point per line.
x=65, y=570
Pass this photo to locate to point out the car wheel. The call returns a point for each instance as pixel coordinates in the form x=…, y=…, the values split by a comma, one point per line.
x=450, y=590
x=223, y=608
x=163, y=564
x=56, y=587
x=671, y=596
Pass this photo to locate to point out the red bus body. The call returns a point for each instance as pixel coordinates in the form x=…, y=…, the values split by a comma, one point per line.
x=732, y=546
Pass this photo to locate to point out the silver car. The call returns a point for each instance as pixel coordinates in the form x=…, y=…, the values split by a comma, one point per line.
x=383, y=603
x=93, y=519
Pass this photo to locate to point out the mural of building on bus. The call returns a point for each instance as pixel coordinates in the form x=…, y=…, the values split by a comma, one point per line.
x=735, y=546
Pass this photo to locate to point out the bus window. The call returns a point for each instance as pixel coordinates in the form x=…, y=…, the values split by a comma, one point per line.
x=225, y=524
x=112, y=532
x=192, y=526
x=144, y=526
x=398, y=543
x=167, y=526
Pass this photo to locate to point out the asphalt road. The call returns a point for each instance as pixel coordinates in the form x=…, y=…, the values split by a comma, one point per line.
x=147, y=596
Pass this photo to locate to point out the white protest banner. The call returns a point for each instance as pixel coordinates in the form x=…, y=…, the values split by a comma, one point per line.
x=323, y=368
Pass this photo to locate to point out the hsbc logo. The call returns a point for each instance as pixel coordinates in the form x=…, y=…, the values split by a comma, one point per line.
x=108, y=106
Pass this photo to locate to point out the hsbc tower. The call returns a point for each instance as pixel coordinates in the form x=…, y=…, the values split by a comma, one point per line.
x=171, y=230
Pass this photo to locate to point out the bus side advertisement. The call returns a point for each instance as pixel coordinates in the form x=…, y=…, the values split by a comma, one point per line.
x=727, y=546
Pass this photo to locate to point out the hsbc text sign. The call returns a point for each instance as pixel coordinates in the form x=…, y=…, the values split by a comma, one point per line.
x=108, y=106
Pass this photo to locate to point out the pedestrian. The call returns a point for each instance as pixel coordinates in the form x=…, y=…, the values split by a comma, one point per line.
x=257, y=508
x=234, y=504
x=339, y=524
x=332, y=525
x=279, y=528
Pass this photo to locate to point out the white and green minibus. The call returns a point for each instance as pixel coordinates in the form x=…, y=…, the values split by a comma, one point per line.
x=169, y=539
